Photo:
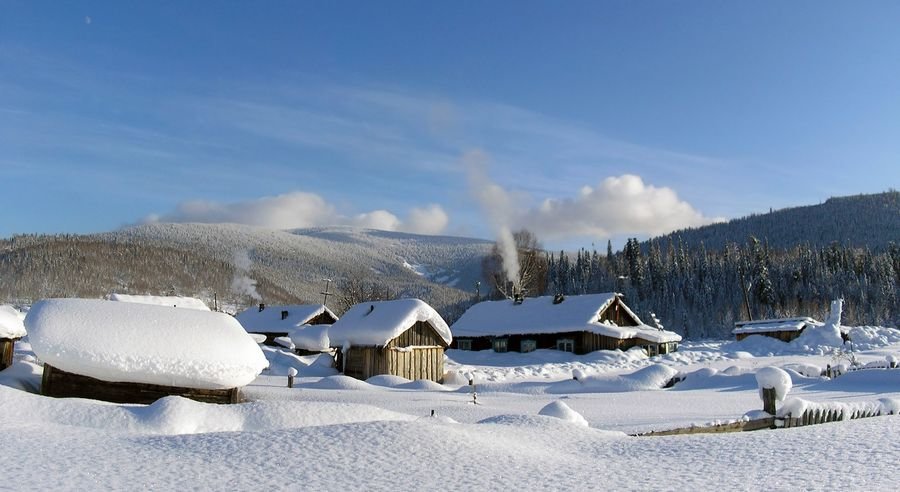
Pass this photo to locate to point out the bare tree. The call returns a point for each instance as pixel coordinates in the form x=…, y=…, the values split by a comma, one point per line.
x=359, y=288
x=533, y=267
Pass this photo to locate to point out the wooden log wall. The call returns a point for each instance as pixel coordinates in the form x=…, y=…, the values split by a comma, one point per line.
x=61, y=384
x=7, y=348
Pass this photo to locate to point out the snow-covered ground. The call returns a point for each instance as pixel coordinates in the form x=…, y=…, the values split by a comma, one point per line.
x=331, y=432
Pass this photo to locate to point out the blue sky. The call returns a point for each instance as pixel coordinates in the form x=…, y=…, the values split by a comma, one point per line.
x=580, y=120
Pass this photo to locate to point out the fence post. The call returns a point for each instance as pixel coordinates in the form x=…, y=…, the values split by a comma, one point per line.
x=768, y=397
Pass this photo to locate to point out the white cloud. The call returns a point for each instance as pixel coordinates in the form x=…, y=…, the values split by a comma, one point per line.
x=300, y=209
x=618, y=205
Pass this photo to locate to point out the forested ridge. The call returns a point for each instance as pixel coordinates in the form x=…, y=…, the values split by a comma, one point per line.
x=785, y=263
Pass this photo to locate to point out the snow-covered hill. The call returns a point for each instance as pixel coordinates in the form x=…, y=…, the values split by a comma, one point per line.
x=199, y=259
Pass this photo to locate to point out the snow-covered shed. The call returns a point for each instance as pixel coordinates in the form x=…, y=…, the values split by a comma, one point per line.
x=288, y=321
x=579, y=324
x=168, y=301
x=11, y=329
x=784, y=329
x=404, y=337
x=136, y=353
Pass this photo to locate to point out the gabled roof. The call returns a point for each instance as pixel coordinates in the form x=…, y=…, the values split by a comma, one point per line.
x=168, y=301
x=269, y=319
x=377, y=323
x=543, y=315
x=770, y=325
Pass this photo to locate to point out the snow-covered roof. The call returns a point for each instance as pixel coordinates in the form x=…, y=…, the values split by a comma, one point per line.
x=770, y=325
x=377, y=323
x=139, y=343
x=11, y=325
x=269, y=319
x=170, y=301
x=642, y=331
x=541, y=315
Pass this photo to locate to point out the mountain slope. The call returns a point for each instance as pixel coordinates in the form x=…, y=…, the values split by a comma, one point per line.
x=202, y=259
x=861, y=220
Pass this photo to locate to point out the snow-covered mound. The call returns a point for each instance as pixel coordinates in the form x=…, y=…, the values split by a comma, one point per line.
x=562, y=411
x=11, y=325
x=311, y=337
x=140, y=343
x=168, y=301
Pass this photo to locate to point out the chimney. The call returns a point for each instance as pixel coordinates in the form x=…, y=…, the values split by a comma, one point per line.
x=284, y=314
x=558, y=298
x=518, y=299
x=261, y=307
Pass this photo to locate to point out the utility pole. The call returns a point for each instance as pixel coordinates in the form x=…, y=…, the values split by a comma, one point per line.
x=326, y=293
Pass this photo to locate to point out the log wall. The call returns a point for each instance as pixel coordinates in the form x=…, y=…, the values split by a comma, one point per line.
x=7, y=347
x=61, y=384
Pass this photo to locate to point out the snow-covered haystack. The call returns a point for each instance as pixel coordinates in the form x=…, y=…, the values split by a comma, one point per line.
x=168, y=301
x=11, y=325
x=562, y=411
x=140, y=343
x=774, y=378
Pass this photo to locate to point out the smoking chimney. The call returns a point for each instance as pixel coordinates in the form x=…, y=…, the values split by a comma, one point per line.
x=284, y=314
x=261, y=307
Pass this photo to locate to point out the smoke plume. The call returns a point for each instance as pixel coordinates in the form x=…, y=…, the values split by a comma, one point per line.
x=242, y=284
x=497, y=204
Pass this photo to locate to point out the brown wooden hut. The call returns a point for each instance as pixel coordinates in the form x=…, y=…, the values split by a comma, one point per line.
x=138, y=353
x=784, y=329
x=578, y=324
x=405, y=338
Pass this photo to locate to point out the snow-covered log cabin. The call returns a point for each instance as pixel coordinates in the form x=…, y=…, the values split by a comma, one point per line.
x=784, y=329
x=11, y=329
x=578, y=324
x=286, y=321
x=137, y=353
x=404, y=337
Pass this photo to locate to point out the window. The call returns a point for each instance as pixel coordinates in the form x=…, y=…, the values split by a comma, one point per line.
x=527, y=346
x=500, y=344
x=464, y=344
x=565, y=344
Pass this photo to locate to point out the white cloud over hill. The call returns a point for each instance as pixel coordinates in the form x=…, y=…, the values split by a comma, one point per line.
x=300, y=209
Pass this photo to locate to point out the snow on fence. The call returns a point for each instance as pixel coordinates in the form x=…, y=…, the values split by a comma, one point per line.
x=797, y=412
x=774, y=385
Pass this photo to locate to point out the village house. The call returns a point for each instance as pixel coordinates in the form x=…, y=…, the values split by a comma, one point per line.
x=11, y=329
x=578, y=324
x=277, y=322
x=784, y=329
x=404, y=337
x=137, y=353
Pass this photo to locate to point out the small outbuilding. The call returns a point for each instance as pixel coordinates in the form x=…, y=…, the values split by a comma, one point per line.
x=137, y=353
x=784, y=329
x=284, y=321
x=11, y=330
x=578, y=324
x=404, y=337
